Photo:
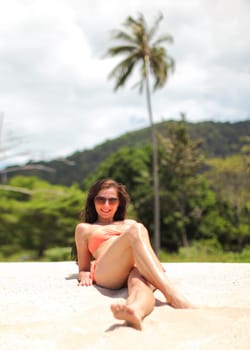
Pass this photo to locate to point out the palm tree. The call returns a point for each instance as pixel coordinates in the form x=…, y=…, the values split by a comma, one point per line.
x=139, y=47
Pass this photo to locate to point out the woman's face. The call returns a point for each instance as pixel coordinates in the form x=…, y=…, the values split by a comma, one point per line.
x=106, y=204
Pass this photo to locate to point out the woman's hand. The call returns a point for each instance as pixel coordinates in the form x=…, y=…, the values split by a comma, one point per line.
x=84, y=279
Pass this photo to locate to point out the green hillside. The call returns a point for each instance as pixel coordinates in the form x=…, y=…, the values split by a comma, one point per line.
x=219, y=140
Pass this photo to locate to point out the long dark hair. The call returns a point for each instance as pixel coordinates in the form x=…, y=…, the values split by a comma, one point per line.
x=89, y=214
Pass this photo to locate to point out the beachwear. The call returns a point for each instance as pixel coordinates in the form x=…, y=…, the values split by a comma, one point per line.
x=98, y=238
x=92, y=270
x=95, y=241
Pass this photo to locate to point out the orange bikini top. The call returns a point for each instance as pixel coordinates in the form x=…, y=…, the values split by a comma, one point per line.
x=98, y=238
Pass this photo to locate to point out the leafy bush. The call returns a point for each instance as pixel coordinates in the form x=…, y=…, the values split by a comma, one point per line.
x=58, y=254
x=15, y=253
x=246, y=253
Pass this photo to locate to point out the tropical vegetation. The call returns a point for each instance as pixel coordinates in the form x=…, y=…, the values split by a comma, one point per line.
x=205, y=212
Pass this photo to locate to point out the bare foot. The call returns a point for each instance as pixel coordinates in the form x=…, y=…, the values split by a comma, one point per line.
x=128, y=314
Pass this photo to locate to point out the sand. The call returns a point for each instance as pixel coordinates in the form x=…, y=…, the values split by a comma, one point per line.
x=41, y=307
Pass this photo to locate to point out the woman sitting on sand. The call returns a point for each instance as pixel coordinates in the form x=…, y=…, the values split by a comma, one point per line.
x=122, y=254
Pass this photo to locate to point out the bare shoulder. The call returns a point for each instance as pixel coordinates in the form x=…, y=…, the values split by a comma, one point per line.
x=83, y=228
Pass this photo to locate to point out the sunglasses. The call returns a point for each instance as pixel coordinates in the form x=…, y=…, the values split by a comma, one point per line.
x=103, y=200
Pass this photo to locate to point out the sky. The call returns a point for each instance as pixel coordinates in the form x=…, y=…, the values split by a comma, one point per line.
x=55, y=97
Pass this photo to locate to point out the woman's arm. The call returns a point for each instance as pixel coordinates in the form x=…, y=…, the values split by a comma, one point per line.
x=83, y=255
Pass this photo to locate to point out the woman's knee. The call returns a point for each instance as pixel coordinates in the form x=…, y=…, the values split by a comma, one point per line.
x=138, y=231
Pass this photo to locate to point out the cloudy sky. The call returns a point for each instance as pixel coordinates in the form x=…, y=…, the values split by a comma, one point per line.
x=54, y=94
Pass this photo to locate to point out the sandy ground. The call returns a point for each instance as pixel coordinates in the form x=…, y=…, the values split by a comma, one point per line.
x=41, y=307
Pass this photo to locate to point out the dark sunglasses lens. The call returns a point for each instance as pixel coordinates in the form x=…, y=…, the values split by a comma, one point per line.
x=112, y=200
x=102, y=200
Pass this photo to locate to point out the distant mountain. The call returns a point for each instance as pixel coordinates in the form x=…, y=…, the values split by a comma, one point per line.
x=219, y=140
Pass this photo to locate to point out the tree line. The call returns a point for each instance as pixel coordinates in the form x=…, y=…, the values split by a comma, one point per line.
x=219, y=140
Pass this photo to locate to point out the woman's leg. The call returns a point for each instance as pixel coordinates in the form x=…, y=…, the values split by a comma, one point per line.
x=140, y=301
x=133, y=248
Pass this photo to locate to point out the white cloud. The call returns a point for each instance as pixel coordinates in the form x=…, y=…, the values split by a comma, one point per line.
x=54, y=90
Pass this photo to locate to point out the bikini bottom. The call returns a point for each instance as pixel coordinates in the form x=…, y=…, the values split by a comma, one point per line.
x=92, y=270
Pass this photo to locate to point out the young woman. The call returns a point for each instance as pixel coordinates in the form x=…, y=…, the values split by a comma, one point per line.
x=113, y=252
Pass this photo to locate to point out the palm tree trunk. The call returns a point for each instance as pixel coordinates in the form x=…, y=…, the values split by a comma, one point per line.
x=155, y=164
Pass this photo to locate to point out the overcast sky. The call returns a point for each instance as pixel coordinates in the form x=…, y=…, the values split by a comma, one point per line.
x=54, y=94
